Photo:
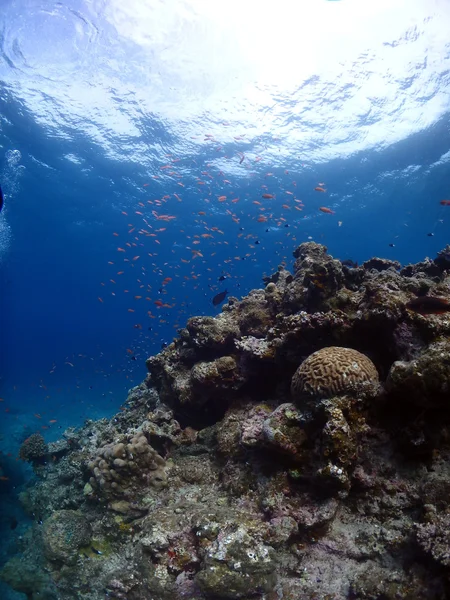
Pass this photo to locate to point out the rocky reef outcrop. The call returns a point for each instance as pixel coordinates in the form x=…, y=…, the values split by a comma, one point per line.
x=295, y=446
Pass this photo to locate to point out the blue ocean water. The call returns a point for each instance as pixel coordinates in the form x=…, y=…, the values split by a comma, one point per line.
x=137, y=143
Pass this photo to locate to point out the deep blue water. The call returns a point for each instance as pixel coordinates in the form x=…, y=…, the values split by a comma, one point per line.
x=95, y=123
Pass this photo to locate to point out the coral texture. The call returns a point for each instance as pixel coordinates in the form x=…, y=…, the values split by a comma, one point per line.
x=332, y=371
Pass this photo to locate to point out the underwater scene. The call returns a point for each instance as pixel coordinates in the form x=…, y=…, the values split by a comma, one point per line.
x=225, y=300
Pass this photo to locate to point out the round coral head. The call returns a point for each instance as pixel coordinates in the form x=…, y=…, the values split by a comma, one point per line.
x=334, y=371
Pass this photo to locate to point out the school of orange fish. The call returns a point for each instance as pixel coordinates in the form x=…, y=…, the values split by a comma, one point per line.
x=201, y=260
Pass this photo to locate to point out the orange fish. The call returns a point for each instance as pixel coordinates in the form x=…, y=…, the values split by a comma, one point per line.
x=100, y=299
x=268, y=196
x=324, y=209
x=445, y=202
x=222, y=198
x=320, y=189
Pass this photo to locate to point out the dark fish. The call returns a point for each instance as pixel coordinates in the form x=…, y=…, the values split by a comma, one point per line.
x=429, y=305
x=350, y=263
x=219, y=298
x=1, y=199
x=222, y=278
x=392, y=245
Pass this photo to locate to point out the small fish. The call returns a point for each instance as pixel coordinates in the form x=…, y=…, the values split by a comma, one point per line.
x=1, y=199
x=324, y=209
x=391, y=245
x=268, y=196
x=96, y=551
x=429, y=305
x=443, y=202
x=219, y=298
x=222, y=278
x=319, y=189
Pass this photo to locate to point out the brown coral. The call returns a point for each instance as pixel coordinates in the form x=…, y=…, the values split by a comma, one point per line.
x=332, y=371
x=126, y=467
x=34, y=448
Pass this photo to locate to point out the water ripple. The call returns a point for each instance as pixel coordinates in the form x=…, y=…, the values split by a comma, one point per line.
x=47, y=41
x=121, y=73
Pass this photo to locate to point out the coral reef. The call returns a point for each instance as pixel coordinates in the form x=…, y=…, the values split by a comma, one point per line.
x=124, y=468
x=295, y=446
x=34, y=449
x=332, y=371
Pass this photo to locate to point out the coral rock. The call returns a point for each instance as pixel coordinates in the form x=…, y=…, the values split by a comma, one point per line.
x=424, y=381
x=125, y=468
x=332, y=371
x=64, y=533
x=236, y=565
x=33, y=449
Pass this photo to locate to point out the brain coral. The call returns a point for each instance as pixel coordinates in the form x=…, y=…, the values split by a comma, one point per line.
x=332, y=371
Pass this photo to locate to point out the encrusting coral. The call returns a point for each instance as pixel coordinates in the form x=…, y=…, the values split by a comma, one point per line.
x=295, y=446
